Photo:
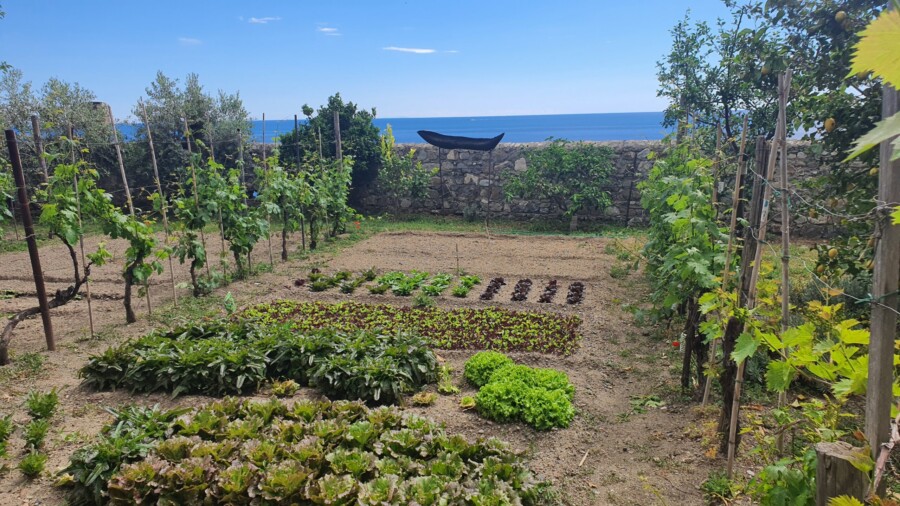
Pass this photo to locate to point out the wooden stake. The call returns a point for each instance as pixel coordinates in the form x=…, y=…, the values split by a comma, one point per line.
x=266, y=169
x=187, y=136
x=441, y=175
x=785, y=254
x=884, y=289
x=38, y=273
x=162, y=197
x=87, y=279
x=297, y=152
x=39, y=146
x=338, y=150
x=715, y=170
x=784, y=85
x=735, y=201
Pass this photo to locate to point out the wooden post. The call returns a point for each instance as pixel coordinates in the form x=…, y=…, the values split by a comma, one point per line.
x=162, y=197
x=735, y=202
x=187, y=136
x=884, y=289
x=87, y=279
x=112, y=124
x=19, y=175
x=785, y=254
x=784, y=86
x=297, y=152
x=266, y=169
x=240, y=140
x=338, y=151
x=715, y=170
x=39, y=145
x=209, y=137
x=441, y=175
x=487, y=216
x=835, y=473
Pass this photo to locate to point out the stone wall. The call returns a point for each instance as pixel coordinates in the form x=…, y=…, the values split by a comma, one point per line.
x=470, y=187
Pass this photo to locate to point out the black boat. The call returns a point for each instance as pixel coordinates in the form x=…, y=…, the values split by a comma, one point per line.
x=457, y=142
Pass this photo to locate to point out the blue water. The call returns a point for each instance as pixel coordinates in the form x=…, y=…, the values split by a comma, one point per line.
x=576, y=127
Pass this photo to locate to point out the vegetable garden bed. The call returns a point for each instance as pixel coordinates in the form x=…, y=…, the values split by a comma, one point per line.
x=308, y=452
x=469, y=329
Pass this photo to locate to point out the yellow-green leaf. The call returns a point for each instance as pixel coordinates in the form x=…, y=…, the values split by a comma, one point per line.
x=896, y=216
x=878, y=49
x=884, y=130
x=744, y=347
x=844, y=500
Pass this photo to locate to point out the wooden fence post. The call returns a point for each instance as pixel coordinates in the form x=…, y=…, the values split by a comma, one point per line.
x=39, y=145
x=884, y=290
x=835, y=474
x=19, y=174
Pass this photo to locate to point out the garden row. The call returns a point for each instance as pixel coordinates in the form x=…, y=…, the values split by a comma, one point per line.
x=307, y=452
x=462, y=328
x=405, y=284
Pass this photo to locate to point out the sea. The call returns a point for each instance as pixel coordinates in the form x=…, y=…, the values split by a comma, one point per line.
x=535, y=128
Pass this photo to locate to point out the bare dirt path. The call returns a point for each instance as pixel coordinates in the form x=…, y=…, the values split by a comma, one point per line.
x=610, y=455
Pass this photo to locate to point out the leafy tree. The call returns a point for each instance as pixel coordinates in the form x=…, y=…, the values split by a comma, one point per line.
x=401, y=176
x=4, y=67
x=17, y=101
x=572, y=175
x=359, y=138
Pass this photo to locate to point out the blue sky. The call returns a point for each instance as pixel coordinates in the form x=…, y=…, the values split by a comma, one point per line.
x=408, y=59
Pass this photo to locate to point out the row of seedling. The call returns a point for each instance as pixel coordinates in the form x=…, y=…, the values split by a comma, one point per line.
x=399, y=283
x=41, y=408
x=523, y=288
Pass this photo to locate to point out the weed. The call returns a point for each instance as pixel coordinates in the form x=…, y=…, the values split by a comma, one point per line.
x=285, y=388
x=424, y=399
x=718, y=488
x=423, y=300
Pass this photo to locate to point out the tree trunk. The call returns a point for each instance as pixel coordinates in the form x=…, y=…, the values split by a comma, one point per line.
x=573, y=224
x=129, y=285
x=690, y=342
x=194, y=281
x=313, y=234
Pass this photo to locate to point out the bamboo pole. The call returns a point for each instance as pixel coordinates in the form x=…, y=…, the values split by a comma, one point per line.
x=187, y=136
x=162, y=197
x=785, y=257
x=19, y=175
x=735, y=200
x=783, y=89
x=297, y=152
x=87, y=279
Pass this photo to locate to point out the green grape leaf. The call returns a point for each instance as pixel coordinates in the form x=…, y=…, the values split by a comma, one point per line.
x=745, y=347
x=878, y=49
x=778, y=376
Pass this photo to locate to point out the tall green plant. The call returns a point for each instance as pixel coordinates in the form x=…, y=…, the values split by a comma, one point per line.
x=572, y=175
x=285, y=194
x=401, y=176
x=685, y=246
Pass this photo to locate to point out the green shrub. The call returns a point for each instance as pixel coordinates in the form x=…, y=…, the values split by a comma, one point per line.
x=35, y=432
x=32, y=465
x=42, y=405
x=310, y=452
x=482, y=365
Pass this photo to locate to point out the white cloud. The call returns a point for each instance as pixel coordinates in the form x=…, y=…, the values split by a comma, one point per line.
x=409, y=50
x=189, y=41
x=328, y=30
x=454, y=51
x=263, y=21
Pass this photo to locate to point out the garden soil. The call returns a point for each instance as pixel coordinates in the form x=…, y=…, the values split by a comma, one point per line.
x=618, y=451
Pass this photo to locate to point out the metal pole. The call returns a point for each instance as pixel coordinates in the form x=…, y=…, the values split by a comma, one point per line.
x=19, y=174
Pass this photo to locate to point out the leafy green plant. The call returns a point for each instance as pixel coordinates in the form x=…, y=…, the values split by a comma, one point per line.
x=311, y=451
x=423, y=300
x=572, y=175
x=42, y=405
x=32, y=465
x=35, y=432
x=286, y=388
x=437, y=284
x=469, y=280
x=718, y=488
x=6, y=428
x=402, y=284
x=424, y=399
x=445, y=381
x=541, y=398
x=460, y=291
x=467, y=402
x=226, y=358
x=482, y=365
x=401, y=176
